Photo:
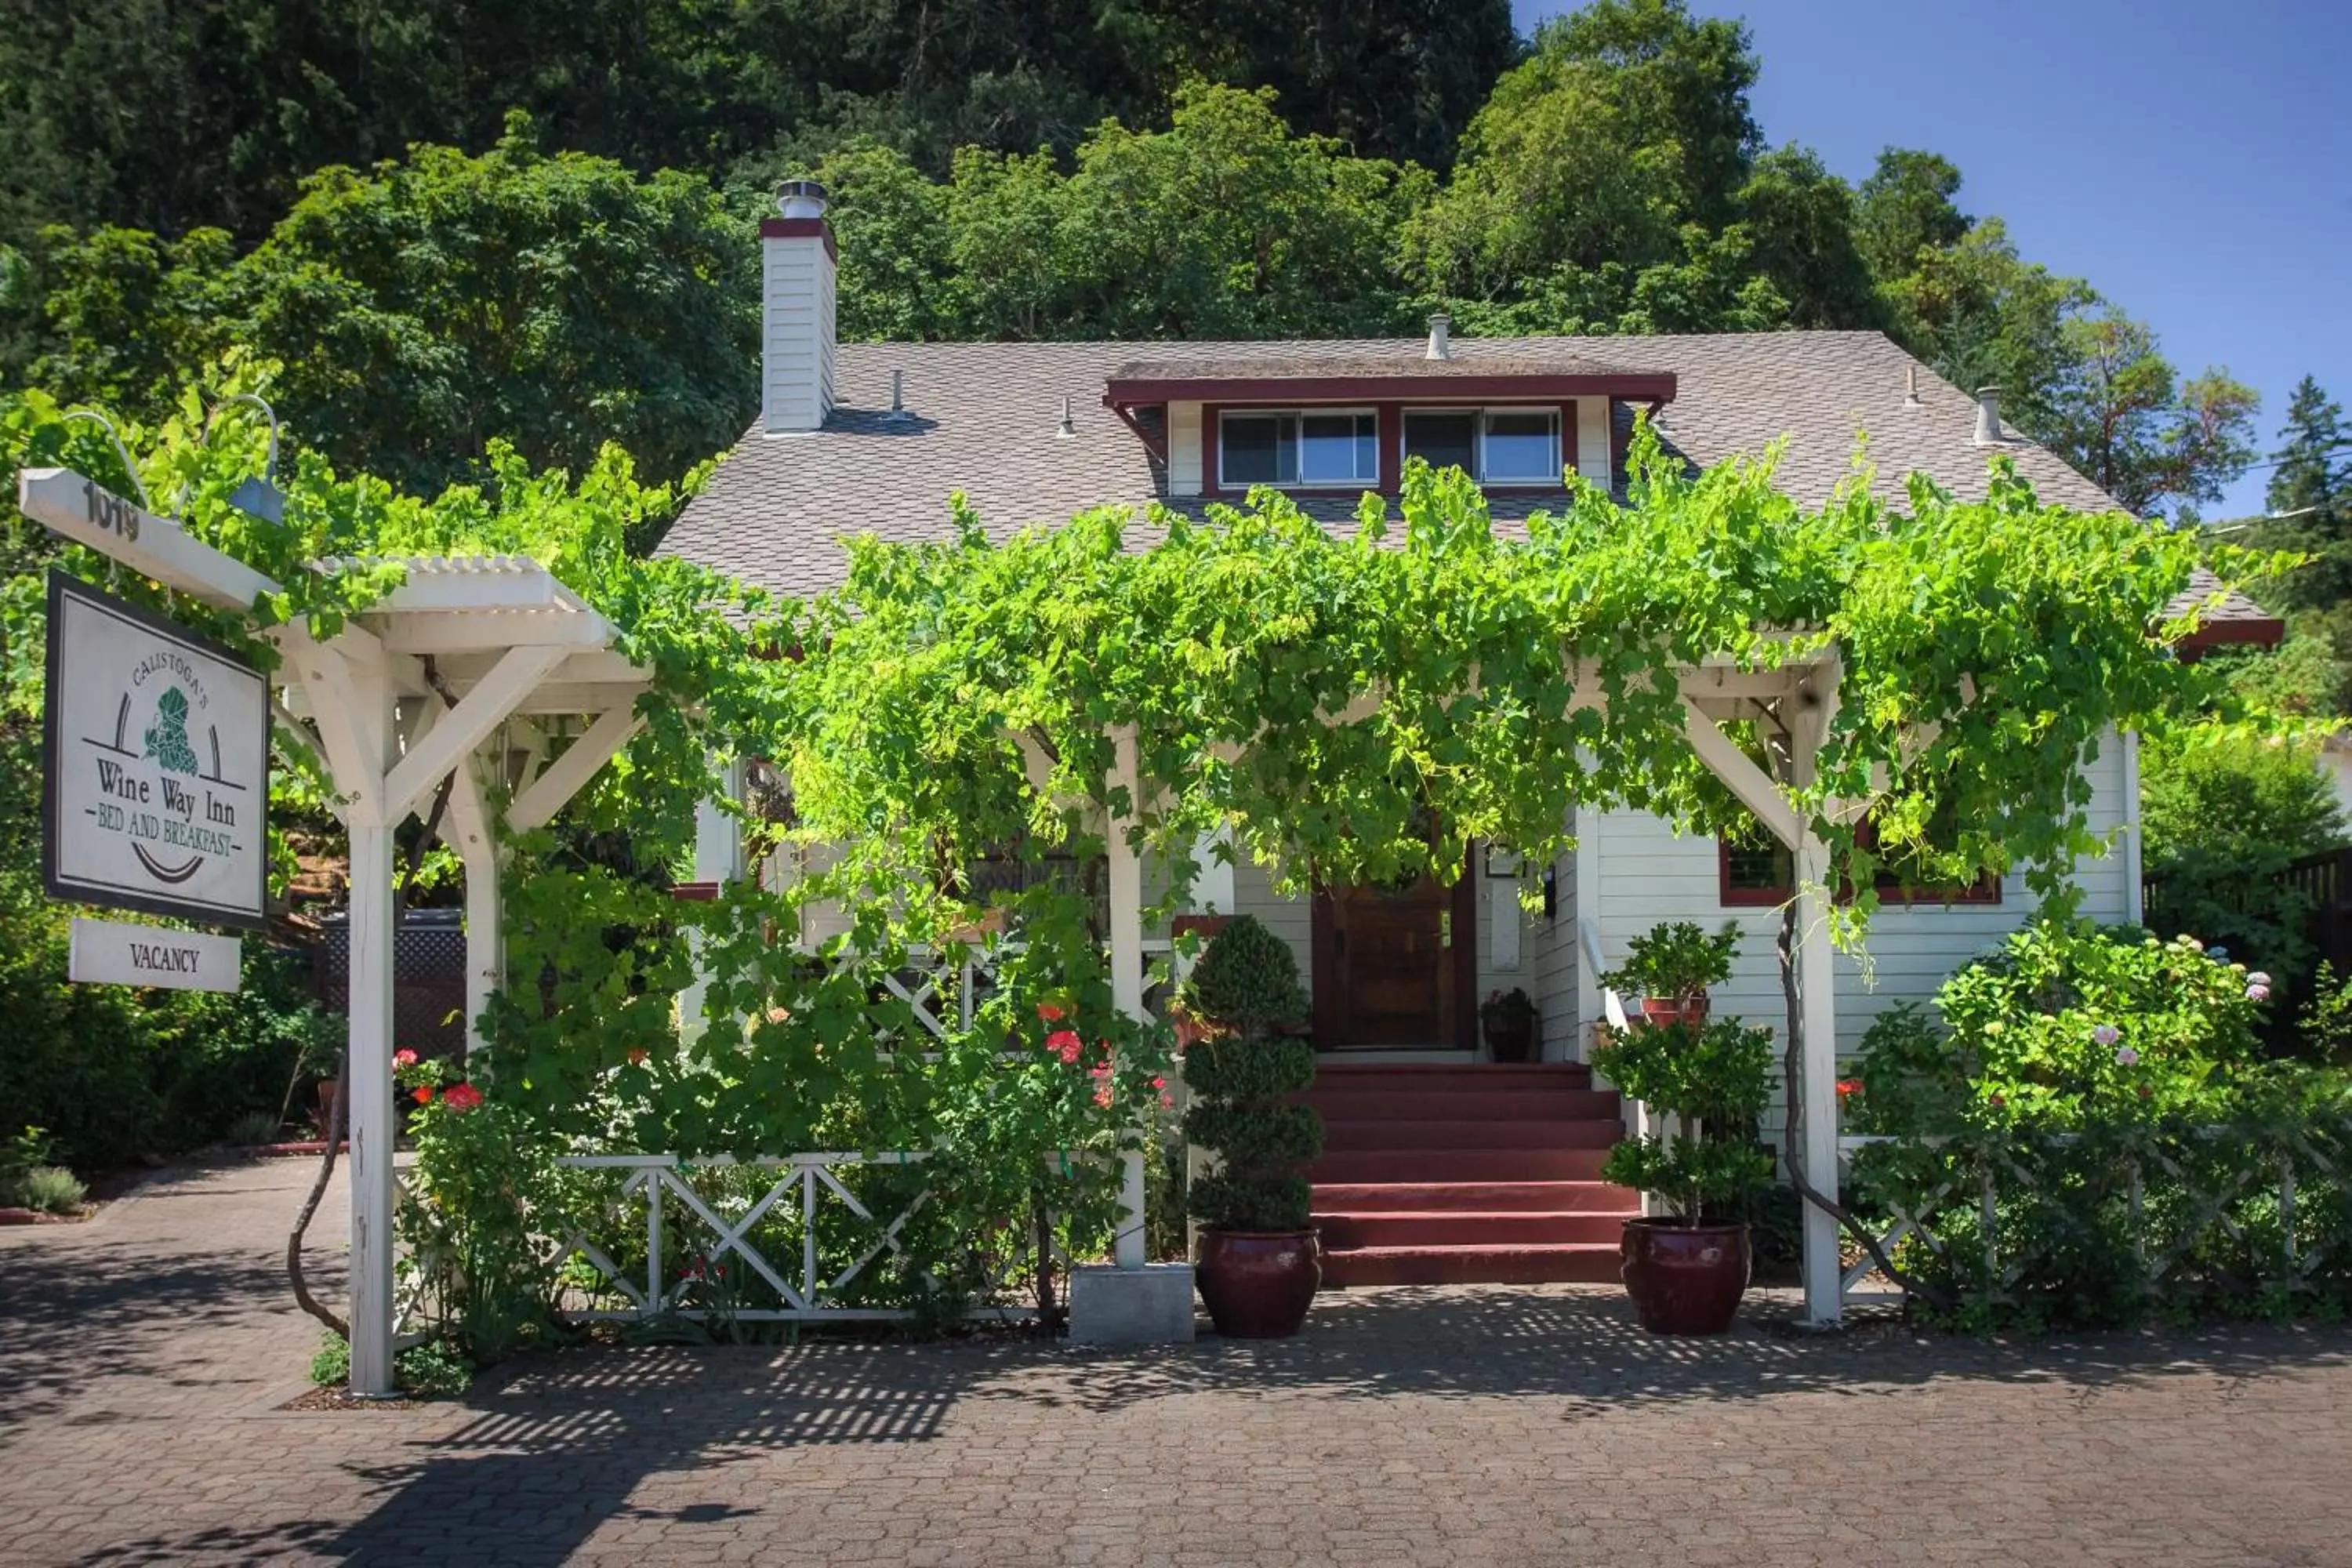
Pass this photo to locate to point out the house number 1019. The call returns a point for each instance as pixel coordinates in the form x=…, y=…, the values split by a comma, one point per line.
x=111, y=512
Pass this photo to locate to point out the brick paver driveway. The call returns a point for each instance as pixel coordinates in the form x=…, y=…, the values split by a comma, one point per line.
x=140, y=1357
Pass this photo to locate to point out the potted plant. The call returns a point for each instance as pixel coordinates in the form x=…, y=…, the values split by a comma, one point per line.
x=1671, y=965
x=1256, y=1265
x=1509, y=1019
x=1685, y=1267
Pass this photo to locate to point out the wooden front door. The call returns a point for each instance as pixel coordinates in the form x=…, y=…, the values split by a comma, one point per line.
x=1395, y=967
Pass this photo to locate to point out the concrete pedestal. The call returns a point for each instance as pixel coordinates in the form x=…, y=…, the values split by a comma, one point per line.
x=1148, y=1306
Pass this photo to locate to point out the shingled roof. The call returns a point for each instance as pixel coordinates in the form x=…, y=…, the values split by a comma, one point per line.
x=986, y=418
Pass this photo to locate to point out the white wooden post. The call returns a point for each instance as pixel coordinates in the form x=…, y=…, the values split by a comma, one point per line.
x=467, y=828
x=367, y=1072
x=1816, y=1014
x=1126, y=965
x=717, y=857
x=2135, y=890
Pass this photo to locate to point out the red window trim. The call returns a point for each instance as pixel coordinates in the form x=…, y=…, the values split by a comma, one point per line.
x=1984, y=893
x=1390, y=464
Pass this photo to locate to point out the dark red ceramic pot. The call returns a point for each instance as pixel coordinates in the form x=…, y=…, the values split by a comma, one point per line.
x=1685, y=1278
x=1257, y=1284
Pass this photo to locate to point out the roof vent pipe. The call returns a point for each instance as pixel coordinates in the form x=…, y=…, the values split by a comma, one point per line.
x=1911, y=387
x=897, y=394
x=1441, y=327
x=1989, y=417
x=1069, y=424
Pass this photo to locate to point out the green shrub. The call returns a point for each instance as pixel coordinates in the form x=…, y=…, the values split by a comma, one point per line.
x=437, y=1369
x=255, y=1129
x=52, y=1189
x=1246, y=983
x=2066, y=1026
x=2091, y=1138
x=1714, y=1080
x=2221, y=820
x=1674, y=960
x=332, y=1364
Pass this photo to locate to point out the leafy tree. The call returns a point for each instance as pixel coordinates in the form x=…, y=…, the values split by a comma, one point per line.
x=2310, y=495
x=1981, y=314
x=1225, y=225
x=123, y=317
x=2120, y=414
x=1801, y=224
x=168, y=116
x=1683, y=82
x=1906, y=207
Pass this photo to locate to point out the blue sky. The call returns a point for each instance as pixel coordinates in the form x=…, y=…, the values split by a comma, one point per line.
x=2192, y=160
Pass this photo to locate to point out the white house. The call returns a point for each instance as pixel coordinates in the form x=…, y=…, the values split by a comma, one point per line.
x=1441, y=1166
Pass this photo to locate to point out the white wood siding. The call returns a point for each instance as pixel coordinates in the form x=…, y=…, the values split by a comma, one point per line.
x=1185, y=448
x=1592, y=440
x=797, y=339
x=1650, y=875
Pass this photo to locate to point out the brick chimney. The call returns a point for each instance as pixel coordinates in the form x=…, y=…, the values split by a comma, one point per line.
x=797, y=330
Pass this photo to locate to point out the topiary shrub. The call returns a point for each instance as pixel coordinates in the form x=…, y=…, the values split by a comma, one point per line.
x=1241, y=1076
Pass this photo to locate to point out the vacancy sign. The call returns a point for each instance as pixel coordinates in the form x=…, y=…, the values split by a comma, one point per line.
x=158, y=772
x=107, y=952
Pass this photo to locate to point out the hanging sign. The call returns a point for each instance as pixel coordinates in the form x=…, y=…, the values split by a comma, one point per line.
x=158, y=765
x=108, y=952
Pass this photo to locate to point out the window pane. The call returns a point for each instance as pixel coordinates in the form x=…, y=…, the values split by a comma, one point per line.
x=1258, y=448
x=1760, y=864
x=1447, y=440
x=1341, y=448
x=1522, y=447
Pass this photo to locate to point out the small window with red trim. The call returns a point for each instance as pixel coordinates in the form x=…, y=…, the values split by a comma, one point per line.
x=1759, y=872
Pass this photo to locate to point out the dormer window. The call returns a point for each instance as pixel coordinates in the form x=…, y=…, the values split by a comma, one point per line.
x=1493, y=446
x=1298, y=448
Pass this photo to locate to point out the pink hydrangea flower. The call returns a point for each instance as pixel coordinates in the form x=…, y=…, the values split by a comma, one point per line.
x=2126, y=1057
x=2258, y=993
x=2258, y=978
x=2107, y=1035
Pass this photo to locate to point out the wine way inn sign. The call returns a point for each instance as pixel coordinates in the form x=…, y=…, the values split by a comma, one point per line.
x=158, y=765
x=157, y=775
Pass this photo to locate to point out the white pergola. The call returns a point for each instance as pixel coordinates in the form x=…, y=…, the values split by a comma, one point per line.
x=485, y=672
x=1802, y=696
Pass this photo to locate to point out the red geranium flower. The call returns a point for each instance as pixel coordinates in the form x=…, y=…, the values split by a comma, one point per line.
x=1848, y=1088
x=404, y=1059
x=461, y=1097
x=1066, y=1044
x=1050, y=1012
x=423, y=1095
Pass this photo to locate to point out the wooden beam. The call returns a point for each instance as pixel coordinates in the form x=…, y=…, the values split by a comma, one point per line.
x=1740, y=774
x=465, y=726
x=555, y=697
x=563, y=778
x=80, y=508
x=341, y=712
x=465, y=632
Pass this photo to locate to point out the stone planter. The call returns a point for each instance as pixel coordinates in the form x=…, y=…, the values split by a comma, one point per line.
x=1257, y=1284
x=1685, y=1278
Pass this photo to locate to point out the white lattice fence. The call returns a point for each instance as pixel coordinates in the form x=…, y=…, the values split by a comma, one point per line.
x=2179, y=1198
x=655, y=1194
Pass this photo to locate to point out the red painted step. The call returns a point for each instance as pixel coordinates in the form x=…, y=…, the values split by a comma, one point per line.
x=1467, y=1075
x=1353, y=1103
x=1404, y=1136
x=1477, y=1197
x=1460, y=1227
x=1578, y=1263
x=1423, y=1165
